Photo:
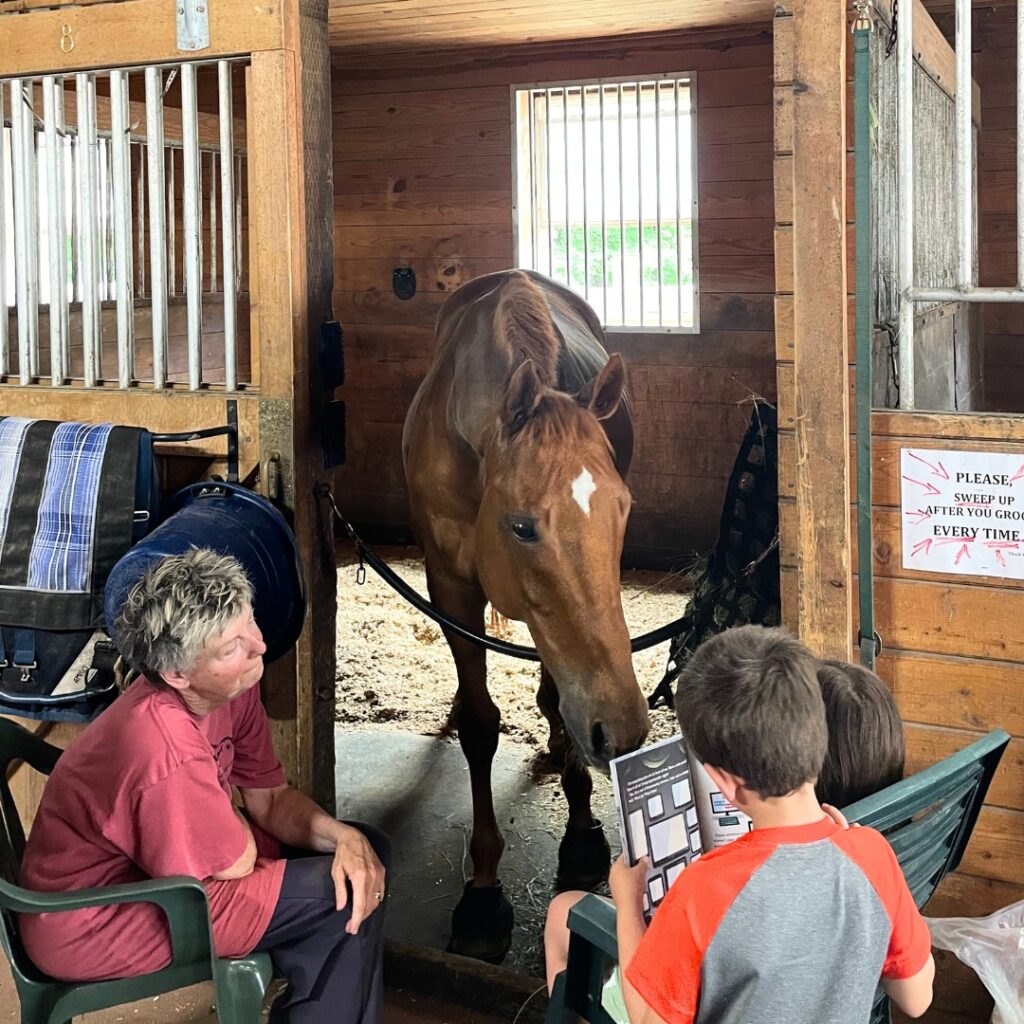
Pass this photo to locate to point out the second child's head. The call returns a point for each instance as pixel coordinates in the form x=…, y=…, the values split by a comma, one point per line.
x=749, y=704
x=866, y=744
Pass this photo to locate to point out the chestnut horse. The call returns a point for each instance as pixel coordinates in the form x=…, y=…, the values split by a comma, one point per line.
x=515, y=449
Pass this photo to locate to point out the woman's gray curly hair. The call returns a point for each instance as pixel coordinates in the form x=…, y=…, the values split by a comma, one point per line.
x=181, y=603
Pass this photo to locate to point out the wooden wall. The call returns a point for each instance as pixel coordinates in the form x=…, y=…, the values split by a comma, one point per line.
x=422, y=178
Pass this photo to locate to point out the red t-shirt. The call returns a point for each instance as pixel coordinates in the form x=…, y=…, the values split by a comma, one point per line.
x=145, y=792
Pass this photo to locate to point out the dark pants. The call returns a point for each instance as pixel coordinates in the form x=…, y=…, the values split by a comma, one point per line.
x=332, y=976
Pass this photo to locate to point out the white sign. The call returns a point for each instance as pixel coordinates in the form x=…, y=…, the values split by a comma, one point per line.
x=963, y=512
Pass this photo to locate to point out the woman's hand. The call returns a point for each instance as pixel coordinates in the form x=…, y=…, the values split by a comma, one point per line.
x=356, y=865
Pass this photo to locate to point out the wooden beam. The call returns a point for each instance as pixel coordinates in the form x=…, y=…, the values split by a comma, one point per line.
x=819, y=323
x=134, y=32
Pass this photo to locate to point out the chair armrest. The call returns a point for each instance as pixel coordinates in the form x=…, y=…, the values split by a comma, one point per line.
x=594, y=920
x=181, y=898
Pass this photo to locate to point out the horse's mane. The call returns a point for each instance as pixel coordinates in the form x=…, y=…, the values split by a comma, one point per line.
x=524, y=328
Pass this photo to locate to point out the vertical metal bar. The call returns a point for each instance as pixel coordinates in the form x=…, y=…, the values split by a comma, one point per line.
x=140, y=219
x=964, y=146
x=65, y=159
x=679, y=205
x=694, y=202
x=547, y=176
x=640, y=197
x=622, y=209
x=172, y=226
x=905, y=162
x=565, y=161
x=583, y=160
x=4, y=308
x=657, y=181
x=532, y=108
x=214, y=180
x=122, y=217
x=157, y=222
x=192, y=211
x=1020, y=144
x=26, y=252
x=238, y=223
x=87, y=185
x=227, y=188
x=56, y=244
x=604, y=213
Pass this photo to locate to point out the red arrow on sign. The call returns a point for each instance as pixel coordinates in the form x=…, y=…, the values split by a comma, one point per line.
x=928, y=488
x=923, y=545
x=924, y=515
x=1017, y=475
x=940, y=471
x=965, y=550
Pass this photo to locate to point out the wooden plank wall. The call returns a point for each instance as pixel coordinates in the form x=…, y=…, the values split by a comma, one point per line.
x=423, y=178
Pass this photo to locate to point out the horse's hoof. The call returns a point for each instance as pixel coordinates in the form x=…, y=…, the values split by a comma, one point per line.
x=482, y=924
x=584, y=858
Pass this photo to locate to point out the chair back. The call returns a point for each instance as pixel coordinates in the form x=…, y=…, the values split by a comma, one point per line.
x=928, y=819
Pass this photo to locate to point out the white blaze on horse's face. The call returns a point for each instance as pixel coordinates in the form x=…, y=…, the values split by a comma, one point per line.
x=583, y=487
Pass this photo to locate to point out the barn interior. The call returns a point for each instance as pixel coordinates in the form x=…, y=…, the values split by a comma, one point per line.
x=424, y=152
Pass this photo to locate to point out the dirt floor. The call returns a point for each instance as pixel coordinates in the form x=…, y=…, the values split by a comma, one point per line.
x=395, y=668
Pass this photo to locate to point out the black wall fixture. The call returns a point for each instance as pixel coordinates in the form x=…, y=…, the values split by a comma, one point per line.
x=403, y=282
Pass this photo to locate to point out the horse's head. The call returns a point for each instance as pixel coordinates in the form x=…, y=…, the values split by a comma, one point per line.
x=548, y=543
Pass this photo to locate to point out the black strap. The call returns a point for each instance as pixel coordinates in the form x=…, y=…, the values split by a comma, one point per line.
x=24, y=648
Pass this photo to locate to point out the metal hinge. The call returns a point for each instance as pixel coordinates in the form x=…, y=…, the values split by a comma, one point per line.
x=193, y=24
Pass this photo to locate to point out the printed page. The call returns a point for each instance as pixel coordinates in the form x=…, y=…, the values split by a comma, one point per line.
x=655, y=799
x=720, y=821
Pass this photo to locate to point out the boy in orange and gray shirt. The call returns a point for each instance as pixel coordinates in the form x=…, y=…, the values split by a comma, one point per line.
x=799, y=919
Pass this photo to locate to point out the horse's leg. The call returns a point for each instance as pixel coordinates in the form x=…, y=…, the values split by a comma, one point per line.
x=482, y=921
x=547, y=701
x=584, y=856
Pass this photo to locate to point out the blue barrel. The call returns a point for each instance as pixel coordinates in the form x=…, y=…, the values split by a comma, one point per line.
x=230, y=520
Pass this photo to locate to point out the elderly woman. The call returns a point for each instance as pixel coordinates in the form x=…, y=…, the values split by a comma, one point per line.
x=146, y=792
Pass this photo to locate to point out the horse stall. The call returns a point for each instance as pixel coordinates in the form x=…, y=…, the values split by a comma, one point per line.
x=165, y=264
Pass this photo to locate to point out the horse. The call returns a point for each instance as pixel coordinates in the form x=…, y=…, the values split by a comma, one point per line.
x=515, y=449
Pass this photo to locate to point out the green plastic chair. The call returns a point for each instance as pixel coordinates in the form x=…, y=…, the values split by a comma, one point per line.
x=239, y=984
x=927, y=818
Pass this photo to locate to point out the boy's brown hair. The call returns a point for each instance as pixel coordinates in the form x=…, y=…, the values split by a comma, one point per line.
x=865, y=734
x=749, y=703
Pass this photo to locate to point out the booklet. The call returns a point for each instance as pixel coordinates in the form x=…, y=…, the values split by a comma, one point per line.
x=670, y=811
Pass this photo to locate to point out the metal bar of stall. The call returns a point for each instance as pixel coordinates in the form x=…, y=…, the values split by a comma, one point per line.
x=227, y=189
x=583, y=161
x=547, y=176
x=679, y=202
x=657, y=180
x=4, y=315
x=140, y=221
x=85, y=106
x=622, y=209
x=968, y=295
x=172, y=226
x=56, y=243
x=67, y=229
x=214, y=184
x=531, y=109
x=604, y=214
x=565, y=161
x=122, y=217
x=191, y=210
x=26, y=253
x=640, y=196
x=157, y=222
x=905, y=163
x=238, y=223
x=964, y=148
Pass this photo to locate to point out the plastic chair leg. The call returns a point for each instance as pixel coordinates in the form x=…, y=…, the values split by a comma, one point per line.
x=239, y=998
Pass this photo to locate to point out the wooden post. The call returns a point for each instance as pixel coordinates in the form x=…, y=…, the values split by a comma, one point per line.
x=822, y=429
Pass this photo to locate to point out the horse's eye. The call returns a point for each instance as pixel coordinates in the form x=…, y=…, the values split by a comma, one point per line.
x=523, y=527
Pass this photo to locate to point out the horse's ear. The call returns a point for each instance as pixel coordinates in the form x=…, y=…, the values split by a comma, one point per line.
x=521, y=398
x=604, y=393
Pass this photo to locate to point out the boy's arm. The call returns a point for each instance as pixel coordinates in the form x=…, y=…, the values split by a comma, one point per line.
x=912, y=995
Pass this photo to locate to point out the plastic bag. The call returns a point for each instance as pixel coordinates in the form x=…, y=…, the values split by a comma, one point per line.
x=994, y=947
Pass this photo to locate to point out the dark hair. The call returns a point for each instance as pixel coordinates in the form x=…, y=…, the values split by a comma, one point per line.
x=749, y=703
x=865, y=734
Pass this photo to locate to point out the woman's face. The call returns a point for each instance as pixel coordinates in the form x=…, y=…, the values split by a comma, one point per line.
x=229, y=663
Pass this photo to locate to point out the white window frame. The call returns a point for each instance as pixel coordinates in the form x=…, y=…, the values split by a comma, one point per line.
x=523, y=202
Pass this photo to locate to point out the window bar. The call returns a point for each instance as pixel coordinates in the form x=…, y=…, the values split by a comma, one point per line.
x=214, y=180
x=4, y=308
x=103, y=196
x=905, y=162
x=640, y=199
x=33, y=157
x=122, y=218
x=583, y=151
x=679, y=201
x=87, y=190
x=238, y=223
x=531, y=100
x=604, y=213
x=565, y=162
x=622, y=209
x=227, y=188
x=657, y=180
x=56, y=245
x=192, y=211
x=140, y=229
x=26, y=253
x=964, y=147
x=158, y=224
x=547, y=176
x=67, y=277
x=172, y=225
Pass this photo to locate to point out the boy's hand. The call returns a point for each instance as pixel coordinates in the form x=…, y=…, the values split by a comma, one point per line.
x=627, y=883
x=838, y=817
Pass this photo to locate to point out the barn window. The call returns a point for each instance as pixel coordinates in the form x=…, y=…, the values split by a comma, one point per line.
x=605, y=197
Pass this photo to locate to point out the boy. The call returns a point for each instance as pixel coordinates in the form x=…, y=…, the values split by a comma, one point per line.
x=798, y=919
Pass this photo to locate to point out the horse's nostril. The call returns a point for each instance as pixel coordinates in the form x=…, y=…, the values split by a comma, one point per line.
x=598, y=740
